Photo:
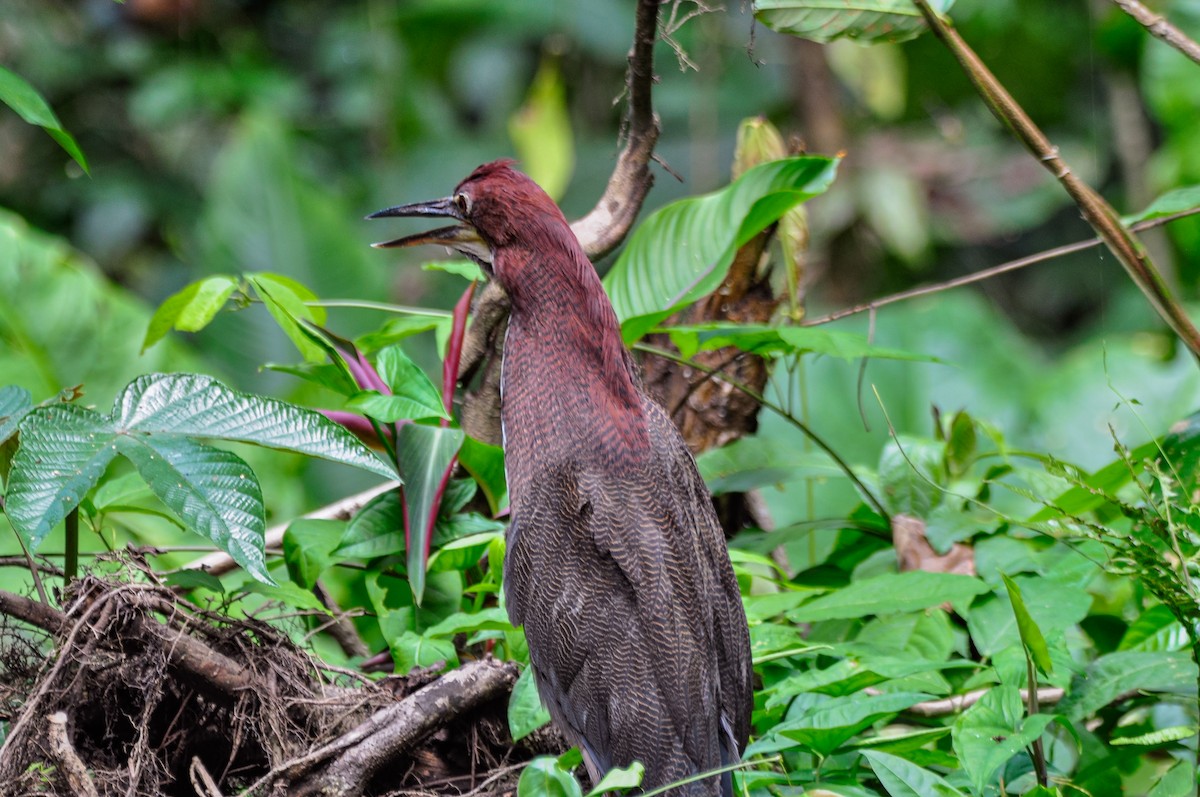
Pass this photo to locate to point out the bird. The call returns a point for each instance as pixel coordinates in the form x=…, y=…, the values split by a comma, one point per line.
x=615, y=564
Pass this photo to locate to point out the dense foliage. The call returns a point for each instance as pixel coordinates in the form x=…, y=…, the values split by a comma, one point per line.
x=980, y=577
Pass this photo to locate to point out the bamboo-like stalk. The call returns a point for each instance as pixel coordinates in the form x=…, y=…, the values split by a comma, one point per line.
x=1098, y=213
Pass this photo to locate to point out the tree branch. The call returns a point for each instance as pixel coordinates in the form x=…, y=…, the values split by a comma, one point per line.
x=1095, y=210
x=1160, y=27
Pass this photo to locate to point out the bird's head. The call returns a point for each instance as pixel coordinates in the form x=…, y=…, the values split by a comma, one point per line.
x=495, y=207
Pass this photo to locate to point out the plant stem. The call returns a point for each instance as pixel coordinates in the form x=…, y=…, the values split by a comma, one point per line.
x=1095, y=210
x=71, y=558
x=363, y=304
x=1160, y=27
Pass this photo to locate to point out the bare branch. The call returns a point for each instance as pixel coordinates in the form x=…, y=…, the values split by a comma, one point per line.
x=988, y=273
x=67, y=761
x=1160, y=27
x=1095, y=210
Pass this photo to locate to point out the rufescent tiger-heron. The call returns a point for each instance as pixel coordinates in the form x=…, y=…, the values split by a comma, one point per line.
x=616, y=564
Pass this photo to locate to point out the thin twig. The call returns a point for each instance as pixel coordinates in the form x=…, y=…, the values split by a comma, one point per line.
x=1160, y=27
x=1094, y=208
x=988, y=273
x=764, y=401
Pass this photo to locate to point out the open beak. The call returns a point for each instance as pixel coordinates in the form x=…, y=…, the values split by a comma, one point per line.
x=461, y=237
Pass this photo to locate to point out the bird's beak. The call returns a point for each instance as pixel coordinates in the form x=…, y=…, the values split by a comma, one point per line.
x=462, y=238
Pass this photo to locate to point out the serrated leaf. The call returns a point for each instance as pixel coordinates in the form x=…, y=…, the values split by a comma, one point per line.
x=545, y=777
x=214, y=493
x=992, y=731
x=890, y=593
x=903, y=778
x=15, y=404
x=200, y=406
x=1114, y=674
x=191, y=309
x=861, y=20
x=655, y=275
x=308, y=546
x=525, y=710
x=63, y=453
x=619, y=779
x=485, y=463
x=18, y=94
x=377, y=530
x=424, y=454
x=1031, y=635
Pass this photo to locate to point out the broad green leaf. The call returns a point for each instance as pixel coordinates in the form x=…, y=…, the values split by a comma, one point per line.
x=335, y=378
x=828, y=725
x=619, y=779
x=16, y=93
x=285, y=300
x=1154, y=738
x=493, y=619
x=188, y=579
x=544, y=777
x=464, y=552
x=413, y=396
x=485, y=463
x=992, y=731
x=308, y=546
x=376, y=530
x=191, y=309
x=1170, y=203
x=861, y=20
x=15, y=404
x=1155, y=629
x=903, y=778
x=684, y=250
x=212, y=491
x=1052, y=605
x=890, y=593
x=525, y=710
x=1180, y=781
x=753, y=462
x=910, y=470
x=411, y=650
x=541, y=131
x=1031, y=635
x=199, y=406
x=425, y=454
x=401, y=328
x=897, y=743
x=63, y=453
x=767, y=340
x=1115, y=674
x=286, y=593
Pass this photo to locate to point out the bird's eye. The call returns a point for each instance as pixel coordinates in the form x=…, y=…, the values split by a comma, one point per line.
x=464, y=203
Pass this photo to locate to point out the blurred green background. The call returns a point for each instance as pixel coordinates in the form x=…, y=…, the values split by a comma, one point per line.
x=253, y=136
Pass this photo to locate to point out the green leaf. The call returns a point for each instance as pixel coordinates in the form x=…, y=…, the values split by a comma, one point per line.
x=213, y=492
x=200, y=406
x=485, y=463
x=402, y=328
x=752, y=462
x=191, y=309
x=63, y=453
x=1052, y=605
x=1155, y=738
x=411, y=650
x=194, y=579
x=308, y=546
x=1180, y=781
x=910, y=470
x=828, y=725
x=900, y=742
x=861, y=20
x=525, y=710
x=541, y=131
x=15, y=404
x=377, y=530
x=23, y=98
x=1095, y=488
x=285, y=300
x=655, y=275
x=890, y=593
x=413, y=396
x=287, y=593
x=1115, y=674
x=493, y=619
x=619, y=779
x=903, y=778
x=1170, y=203
x=992, y=731
x=466, y=269
x=1031, y=635
x=425, y=454
x=544, y=777
x=1155, y=629
x=767, y=340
